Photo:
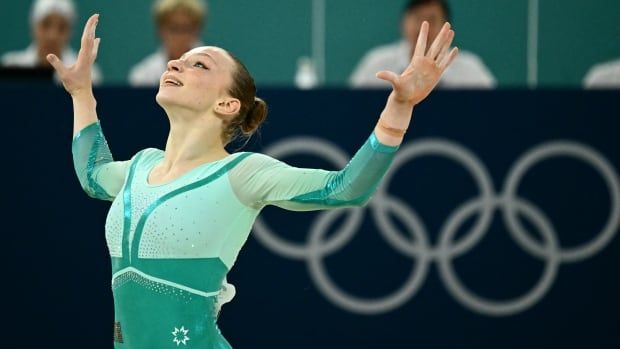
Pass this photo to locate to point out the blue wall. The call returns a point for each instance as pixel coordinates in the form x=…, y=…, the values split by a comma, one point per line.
x=270, y=35
x=57, y=271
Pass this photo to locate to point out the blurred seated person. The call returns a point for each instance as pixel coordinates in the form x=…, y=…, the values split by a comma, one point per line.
x=603, y=75
x=467, y=70
x=51, y=22
x=178, y=25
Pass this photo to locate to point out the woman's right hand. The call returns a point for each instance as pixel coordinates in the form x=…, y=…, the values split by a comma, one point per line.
x=77, y=78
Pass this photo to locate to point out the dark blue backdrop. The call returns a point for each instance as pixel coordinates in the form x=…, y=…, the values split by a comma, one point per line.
x=57, y=273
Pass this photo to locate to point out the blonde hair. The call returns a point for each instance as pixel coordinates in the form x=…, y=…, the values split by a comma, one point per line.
x=196, y=8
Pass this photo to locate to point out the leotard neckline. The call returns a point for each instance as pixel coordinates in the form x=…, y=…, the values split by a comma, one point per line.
x=185, y=174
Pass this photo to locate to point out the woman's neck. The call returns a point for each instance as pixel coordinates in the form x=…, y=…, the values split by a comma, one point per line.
x=192, y=142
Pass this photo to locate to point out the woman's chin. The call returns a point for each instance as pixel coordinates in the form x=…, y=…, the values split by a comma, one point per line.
x=165, y=97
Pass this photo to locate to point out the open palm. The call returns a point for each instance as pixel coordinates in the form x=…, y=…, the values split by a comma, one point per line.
x=426, y=67
x=78, y=77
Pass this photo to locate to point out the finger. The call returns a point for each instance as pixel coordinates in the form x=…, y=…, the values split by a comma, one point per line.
x=88, y=35
x=420, y=47
x=439, y=41
x=56, y=63
x=96, y=48
x=388, y=76
x=446, y=47
x=448, y=59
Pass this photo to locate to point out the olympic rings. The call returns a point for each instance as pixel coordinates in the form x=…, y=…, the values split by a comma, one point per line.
x=383, y=203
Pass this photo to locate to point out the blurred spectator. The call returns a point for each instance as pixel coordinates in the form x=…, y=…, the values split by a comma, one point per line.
x=51, y=22
x=467, y=70
x=178, y=24
x=603, y=75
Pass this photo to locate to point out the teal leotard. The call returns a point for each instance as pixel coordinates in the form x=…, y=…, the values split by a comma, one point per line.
x=172, y=244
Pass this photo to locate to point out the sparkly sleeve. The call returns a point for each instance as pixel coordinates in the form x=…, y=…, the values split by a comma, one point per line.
x=100, y=176
x=262, y=180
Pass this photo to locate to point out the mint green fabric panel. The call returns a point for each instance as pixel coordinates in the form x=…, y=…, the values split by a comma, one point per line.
x=264, y=180
x=203, y=274
x=237, y=233
x=190, y=218
x=261, y=180
x=100, y=176
x=211, y=223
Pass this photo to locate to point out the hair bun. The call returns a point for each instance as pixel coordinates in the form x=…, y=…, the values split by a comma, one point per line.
x=256, y=115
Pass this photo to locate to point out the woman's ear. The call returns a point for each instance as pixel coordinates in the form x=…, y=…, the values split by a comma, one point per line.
x=227, y=106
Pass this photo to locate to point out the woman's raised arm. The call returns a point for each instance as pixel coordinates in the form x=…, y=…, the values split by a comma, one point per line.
x=415, y=83
x=100, y=176
x=77, y=78
x=261, y=180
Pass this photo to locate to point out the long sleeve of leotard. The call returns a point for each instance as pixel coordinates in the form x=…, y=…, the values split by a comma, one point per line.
x=100, y=176
x=261, y=180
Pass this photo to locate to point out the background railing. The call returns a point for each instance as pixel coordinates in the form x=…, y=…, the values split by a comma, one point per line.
x=524, y=43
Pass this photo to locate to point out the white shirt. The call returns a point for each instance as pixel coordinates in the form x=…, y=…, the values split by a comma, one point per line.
x=29, y=58
x=466, y=71
x=149, y=70
x=603, y=75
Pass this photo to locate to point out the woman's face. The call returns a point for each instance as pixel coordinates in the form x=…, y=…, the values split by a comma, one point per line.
x=196, y=80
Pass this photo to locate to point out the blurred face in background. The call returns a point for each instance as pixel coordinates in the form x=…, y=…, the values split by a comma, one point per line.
x=432, y=13
x=51, y=35
x=179, y=30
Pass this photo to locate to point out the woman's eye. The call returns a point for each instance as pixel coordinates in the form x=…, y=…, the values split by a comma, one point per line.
x=200, y=65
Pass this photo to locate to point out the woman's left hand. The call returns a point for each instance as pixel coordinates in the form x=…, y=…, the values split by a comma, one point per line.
x=425, y=69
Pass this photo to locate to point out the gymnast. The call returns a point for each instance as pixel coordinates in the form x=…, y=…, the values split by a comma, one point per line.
x=179, y=217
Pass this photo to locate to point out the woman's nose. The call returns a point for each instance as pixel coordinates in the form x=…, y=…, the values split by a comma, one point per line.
x=175, y=65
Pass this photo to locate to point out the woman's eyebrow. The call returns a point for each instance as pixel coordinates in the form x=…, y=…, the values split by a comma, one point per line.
x=201, y=54
x=207, y=55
